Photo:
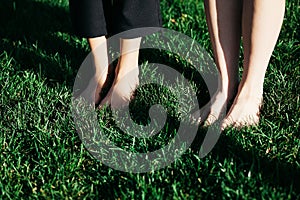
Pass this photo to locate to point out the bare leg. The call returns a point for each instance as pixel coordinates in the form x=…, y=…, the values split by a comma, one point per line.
x=127, y=72
x=224, y=23
x=100, y=61
x=262, y=21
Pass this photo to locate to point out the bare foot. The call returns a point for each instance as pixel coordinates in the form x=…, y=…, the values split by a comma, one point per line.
x=123, y=87
x=218, y=104
x=93, y=93
x=212, y=110
x=244, y=112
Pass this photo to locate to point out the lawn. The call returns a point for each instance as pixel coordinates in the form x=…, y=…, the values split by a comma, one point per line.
x=42, y=156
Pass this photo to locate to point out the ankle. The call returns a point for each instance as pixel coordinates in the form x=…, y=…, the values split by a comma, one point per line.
x=250, y=91
x=228, y=90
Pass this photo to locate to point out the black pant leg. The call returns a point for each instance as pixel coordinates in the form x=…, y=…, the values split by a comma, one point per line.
x=88, y=17
x=130, y=14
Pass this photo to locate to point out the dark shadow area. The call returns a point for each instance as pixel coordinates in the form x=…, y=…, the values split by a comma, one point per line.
x=26, y=25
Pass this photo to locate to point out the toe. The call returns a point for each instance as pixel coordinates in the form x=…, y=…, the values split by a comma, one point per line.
x=212, y=118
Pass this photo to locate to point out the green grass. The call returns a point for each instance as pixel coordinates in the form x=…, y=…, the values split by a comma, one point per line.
x=41, y=154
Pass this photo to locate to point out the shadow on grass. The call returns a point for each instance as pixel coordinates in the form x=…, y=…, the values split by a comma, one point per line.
x=35, y=35
x=26, y=25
